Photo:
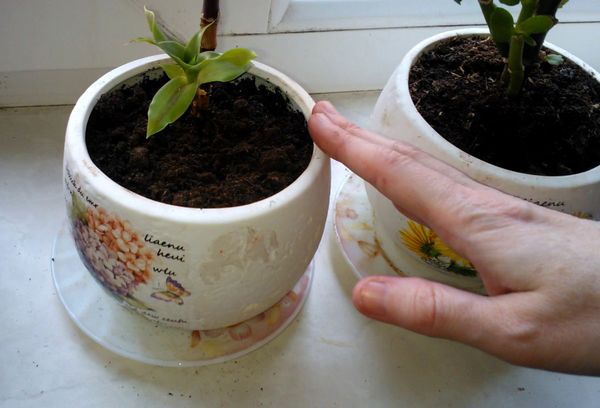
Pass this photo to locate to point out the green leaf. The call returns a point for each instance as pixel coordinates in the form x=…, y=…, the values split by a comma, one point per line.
x=192, y=48
x=207, y=55
x=173, y=49
x=510, y=2
x=154, y=28
x=170, y=102
x=501, y=25
x=554, y=59
x=536, y=25
x=144, y=39
x=226, y=67
x=562, y=3
x=173, y=70
x=191, y=69
x=528, y=40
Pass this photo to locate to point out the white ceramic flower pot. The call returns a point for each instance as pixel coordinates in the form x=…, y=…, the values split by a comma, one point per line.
x=185, y=267
x=396, y=117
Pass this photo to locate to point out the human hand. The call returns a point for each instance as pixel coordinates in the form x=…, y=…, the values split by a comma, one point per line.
x=541, y=268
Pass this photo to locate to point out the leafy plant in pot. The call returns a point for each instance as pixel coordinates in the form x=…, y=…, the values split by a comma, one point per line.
x=237, y=216
x=507, y=111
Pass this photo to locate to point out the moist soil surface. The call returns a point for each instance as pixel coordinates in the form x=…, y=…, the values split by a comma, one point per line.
x=552, y=128
x=246, y=145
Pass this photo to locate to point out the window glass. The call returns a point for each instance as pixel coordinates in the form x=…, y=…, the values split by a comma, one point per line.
x=324, y=15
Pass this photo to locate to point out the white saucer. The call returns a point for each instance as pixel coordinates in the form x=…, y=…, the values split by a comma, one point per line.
x=355, y=231
x=131, y=335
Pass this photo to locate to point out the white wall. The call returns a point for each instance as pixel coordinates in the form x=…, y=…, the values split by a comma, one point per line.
x=51, y=50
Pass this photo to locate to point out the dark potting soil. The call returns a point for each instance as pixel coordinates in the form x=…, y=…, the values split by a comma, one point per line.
x=552, y=128
x=246, y=145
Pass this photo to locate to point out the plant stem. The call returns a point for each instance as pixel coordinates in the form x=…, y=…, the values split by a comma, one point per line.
x=200, y=102
x=544, y=7
x=527, y=10
x=487, y=8
x=548, y=7
x=516, y=70
x=210, y=16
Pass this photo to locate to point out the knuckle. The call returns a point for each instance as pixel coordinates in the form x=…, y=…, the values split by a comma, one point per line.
x=425, y=308
x=522, y=332
x=340, y=141
x=510, y=208
x=485, y=211
x=389, y=159
x=517, y=336
x=405, y=149
x=521, y=339
x=350, y=126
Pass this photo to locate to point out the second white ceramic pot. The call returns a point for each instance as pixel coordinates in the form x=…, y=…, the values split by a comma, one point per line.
x=404, y=241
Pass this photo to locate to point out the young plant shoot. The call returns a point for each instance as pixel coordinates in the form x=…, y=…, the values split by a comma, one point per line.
x=520, y=41
x=190, y=69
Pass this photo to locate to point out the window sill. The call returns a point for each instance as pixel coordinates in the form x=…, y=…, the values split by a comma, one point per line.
x=330, y=356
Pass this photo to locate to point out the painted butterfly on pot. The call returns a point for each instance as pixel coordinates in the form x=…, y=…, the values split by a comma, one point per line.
x=175, y=292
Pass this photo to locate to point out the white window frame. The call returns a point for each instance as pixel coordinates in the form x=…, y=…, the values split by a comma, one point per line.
x=346, y=45
x=327, y=15
x=290, y=16
x=325, y=45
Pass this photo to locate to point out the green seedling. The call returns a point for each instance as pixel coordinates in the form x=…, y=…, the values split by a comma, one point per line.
x=190, y=69
x=520, y=41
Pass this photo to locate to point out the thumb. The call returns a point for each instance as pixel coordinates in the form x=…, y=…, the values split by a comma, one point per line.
x=425, y=307
x=521, y=327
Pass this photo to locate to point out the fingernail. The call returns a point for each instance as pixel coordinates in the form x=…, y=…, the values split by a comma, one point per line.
x=327, y=107
x=372, y=298
x=320, y=119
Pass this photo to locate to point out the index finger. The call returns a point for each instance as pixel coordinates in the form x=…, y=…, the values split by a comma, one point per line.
x=418, y=184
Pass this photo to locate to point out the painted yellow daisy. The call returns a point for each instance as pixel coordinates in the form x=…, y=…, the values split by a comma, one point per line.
x=448, y=252
x=419, y=239
x=429, y=247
